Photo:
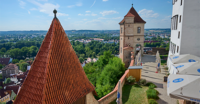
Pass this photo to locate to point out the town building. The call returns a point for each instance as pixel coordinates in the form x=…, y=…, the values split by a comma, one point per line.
x=9, y=70
x=4, y=96
x=131, y=35
x=56, y=75
x=185, y=28
x=5, y=61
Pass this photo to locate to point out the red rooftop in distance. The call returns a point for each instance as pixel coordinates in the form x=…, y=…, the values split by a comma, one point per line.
x=56, y=75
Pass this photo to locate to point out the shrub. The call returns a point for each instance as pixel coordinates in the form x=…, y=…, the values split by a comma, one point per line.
x=149, y=83
x=14, y=61
x=8, y=80
x=152, y=101
x=152, y=86
x=142, y=81
x=130, y=79
x=152, y=94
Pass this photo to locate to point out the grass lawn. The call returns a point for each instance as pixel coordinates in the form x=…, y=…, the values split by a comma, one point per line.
x=133, y=94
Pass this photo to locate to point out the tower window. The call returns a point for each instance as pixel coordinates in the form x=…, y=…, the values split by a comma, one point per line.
x=128, y=37
x=121, y=38
x=121, y=49
x=181, y=2
x=121, y=30
x=178, y=34
x=139, y=30
x=180, y=19
x=177, y=48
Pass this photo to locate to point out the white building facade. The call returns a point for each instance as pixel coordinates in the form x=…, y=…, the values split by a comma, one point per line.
x=185, y=27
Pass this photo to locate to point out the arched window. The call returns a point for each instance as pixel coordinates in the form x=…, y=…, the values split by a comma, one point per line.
x=138, y=29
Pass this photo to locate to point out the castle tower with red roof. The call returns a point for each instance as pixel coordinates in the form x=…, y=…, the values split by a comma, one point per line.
x=131, y=35
x=56, y=75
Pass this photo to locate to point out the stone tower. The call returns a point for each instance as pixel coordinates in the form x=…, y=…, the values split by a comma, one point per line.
x=131, y=35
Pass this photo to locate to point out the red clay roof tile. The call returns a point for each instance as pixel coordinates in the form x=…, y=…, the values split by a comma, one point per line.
x=56, y=75
x=132, y=13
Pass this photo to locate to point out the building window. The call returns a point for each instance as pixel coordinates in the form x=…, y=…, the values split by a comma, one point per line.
x=177, y=48
x=139, y=30
x=138, y=39
x=178, y=34
x=128, y=37
x=128, y=25
x=121, y=38
x=174, y=48
x=121, y=30
x=121, y=49
x=180, y=19
x=181, y=2
x=174, y=22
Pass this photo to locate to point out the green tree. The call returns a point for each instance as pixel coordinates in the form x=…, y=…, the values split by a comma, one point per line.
x=1, y=66
x=81, y=59
x=8, y=80
x=23, y=66
x=14, y=61
x=3, y=50
x=167, y=48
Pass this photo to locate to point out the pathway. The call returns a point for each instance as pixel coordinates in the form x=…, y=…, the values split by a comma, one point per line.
x=148, y=73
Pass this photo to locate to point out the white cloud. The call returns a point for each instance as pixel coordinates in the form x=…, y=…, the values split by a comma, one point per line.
x=167, y=18
x=80, y=14
x=77, y=4
x=69, y=18
x=84, y=19
x=33, y=9
x=42, y=0
x=47, y=8
x=105, y=0
x=110, y=18
x=87, y=11
x=29, y=12
x=70, y=6
x=117, y=18
x=108, y=12
x=21, y=3
x=87, y=14
x=62, y=14
x=148, y=13
x=102, y=18
x=168, y=1
x=93, y=14
x=93, y=3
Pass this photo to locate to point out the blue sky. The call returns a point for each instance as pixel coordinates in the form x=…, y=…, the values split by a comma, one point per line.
x=81, y=14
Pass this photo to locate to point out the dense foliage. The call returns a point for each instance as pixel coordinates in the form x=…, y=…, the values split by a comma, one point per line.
x=93, y=49
x=8, y=80
x=22, y=65
x=105, y=73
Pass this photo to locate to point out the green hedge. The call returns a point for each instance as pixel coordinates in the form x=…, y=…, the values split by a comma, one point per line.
x=152, y=101
x=152, y=94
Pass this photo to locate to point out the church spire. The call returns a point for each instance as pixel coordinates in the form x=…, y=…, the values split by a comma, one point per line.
x=56, y=75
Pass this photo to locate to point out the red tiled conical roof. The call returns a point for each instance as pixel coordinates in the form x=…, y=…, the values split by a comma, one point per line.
x=56, y=75
x=132, y=13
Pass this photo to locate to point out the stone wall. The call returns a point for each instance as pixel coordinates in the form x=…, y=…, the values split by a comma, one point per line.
x=162, y=51
x=113, y=95
x=90, y=99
